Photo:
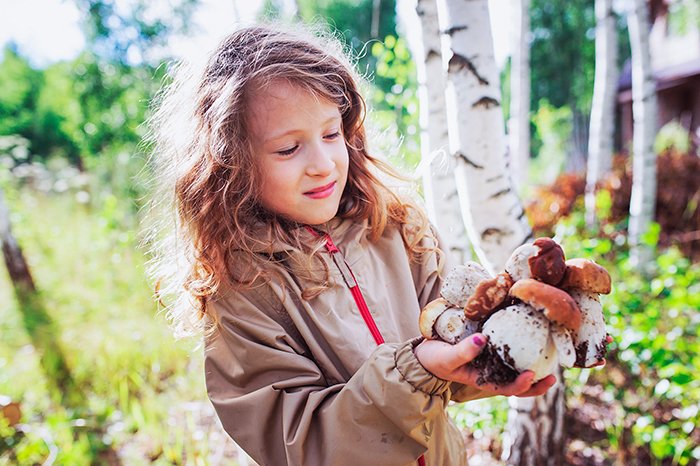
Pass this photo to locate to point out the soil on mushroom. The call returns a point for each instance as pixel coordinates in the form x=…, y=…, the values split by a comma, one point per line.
x=492, y=368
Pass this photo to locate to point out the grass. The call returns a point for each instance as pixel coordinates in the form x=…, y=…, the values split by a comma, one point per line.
x=144, y=400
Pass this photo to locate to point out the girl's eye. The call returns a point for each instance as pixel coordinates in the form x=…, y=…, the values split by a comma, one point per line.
x=289, y=151
x=332, y=136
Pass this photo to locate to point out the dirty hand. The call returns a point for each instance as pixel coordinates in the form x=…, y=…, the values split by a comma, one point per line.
x=448, y=362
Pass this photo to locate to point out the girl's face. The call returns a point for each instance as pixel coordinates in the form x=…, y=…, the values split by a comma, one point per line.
x=298, y=143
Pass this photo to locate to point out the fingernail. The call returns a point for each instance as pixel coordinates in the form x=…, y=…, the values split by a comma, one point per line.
x=478, y=340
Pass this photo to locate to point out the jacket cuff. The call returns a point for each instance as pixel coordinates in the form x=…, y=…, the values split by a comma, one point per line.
x=415, y=374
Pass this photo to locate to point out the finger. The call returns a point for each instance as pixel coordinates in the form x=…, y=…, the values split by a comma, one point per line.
x=600, y=363
x=540, y=388
x=609, y=339
x=465, y=351
x=522, y=383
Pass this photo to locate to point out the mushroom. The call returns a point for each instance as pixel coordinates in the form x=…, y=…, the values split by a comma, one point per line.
x=531, y=335
x=584, y=274
x=557, y=305
x=462, y=282
x=440, y=320
x=540, y=312
x=585, y=281
x=488, y=295
x=519, y=340
x=542, y=259
x=468, y=295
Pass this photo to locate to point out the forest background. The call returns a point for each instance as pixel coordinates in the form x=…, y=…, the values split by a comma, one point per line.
x=89, y=370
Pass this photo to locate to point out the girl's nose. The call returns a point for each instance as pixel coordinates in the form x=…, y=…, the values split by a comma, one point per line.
x=321, y=162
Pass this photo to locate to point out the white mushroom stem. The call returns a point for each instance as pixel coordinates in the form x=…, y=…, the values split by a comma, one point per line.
x=451, y=326
x=590, y=339
x=521, y=337
x=564, y=343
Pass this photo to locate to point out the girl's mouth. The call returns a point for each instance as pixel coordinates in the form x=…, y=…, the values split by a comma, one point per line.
x=321, y=192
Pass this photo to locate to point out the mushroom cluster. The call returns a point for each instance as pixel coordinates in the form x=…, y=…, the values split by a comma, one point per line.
x=541, y=311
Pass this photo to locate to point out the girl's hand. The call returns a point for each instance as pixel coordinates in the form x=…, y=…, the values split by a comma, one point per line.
x=448, y=362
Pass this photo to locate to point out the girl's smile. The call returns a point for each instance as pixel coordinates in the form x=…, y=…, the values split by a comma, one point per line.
x=297, y=138
x=322, y=192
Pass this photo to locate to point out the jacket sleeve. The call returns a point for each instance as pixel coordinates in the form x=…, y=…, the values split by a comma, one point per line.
x=273, y=400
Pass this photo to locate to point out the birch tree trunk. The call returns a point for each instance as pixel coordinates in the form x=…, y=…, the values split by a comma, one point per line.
x=493, y=213
x=602, y=125
x=643, y=200
x=534, y=435
x=519, y=124
x=376, y=10
x=14, y=259
x=439, y=185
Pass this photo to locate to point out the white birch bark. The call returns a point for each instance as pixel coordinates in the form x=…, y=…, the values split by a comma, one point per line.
x=17, y=266
x=519, y=123
x=643, y=200
x=534, y=435
x=376, y=10
x=494, y=217
x=602, y=125
x=439, y=185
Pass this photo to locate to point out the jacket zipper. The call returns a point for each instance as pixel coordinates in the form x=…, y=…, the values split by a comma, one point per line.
x=352, y=284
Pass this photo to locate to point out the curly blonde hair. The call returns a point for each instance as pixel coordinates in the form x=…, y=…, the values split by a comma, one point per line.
x=207, y=175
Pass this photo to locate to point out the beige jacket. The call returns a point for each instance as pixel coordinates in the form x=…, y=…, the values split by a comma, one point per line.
x=299, y=382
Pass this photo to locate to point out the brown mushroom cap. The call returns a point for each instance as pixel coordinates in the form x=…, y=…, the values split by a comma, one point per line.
x=557, y=305
x=489, y=294
x=548, y=264
x=428, y=316
x=584, y=274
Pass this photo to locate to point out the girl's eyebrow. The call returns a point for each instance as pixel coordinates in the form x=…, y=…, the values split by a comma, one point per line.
x=292, y=131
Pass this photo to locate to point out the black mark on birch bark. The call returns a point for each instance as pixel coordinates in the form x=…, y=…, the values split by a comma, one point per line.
x=453, y=29
x=468, y=161
x=486, y=102
x=459, y=62
x=500, y=193
x=432, y=55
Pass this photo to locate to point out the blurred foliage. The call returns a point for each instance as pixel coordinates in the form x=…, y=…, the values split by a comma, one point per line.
x=677, y=198
x=549, y=203
x=562, y=61
x=649, y=392
x=354, y=20
x=683, y=16
x=395, y=109
x=644, y=407
x=673, y=137
x=553, y=129
x=94, y=105
x=143, y=392
x=133, y=32
x=562, y=56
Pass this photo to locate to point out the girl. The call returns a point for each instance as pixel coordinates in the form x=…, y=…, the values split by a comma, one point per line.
x=305, y=271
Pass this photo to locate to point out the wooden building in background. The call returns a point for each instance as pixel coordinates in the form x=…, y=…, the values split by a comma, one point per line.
x=676, y=66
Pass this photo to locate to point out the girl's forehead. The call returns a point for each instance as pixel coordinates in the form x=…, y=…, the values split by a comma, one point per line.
x=284, y=106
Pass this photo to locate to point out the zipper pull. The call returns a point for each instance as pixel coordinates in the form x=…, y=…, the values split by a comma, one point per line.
x=330, y=247
x=340, y=263
x=343, y=266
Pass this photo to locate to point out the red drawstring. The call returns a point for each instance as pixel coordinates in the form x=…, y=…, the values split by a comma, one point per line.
x=350, y=280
